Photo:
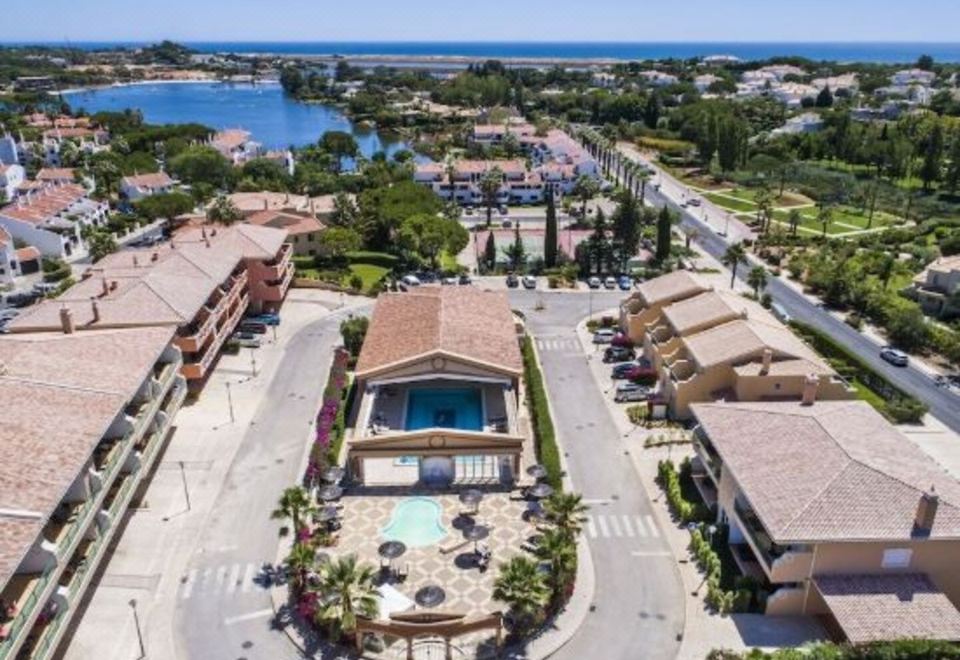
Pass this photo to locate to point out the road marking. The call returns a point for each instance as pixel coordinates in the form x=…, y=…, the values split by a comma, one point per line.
x=627, y=527
x=248, y=576
x=641, y=530
x=591, y=528
x=232, y=580
x=653, y=526
x=188, y=585
x=615, y=525
x=603, y=527
x=651, y=553
x=259, y=614
x=206, y=578
x=221, y=575
x=596, y=501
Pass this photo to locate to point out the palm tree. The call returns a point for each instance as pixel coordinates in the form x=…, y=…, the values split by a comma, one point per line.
x=347, y=590
x=887, y=267
x=523, y=588
x=451, y=170
x=586, y=188
x=300, y=560
x=566, y=511
x=558, y=549
x=764, y=202
x=294, y=504
x=825, y=217
x=795, y=218
x=490, y=184
x=757, y=278
x=732, y=258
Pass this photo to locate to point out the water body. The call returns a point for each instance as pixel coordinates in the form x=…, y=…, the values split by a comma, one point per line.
x=884, y=52
x=274, y=119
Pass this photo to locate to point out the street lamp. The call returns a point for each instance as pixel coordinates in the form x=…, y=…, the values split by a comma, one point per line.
x=230, y=402
x=136, y=621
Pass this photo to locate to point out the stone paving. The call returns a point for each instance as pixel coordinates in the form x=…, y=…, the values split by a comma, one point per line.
x=449, y=563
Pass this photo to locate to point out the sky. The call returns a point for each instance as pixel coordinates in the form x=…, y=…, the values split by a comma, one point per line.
x=488, y=20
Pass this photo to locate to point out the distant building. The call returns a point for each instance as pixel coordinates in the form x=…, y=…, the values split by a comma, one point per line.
x=34, y=84
x=11, y=176
x=303, y=229
x=139, y=186
x=937, y=288
x=659, y=78
x=9, y=154
x=236, y=145
x=56, y=175
x=52, y=218
x=913, y=77
x=808, y=122
x=703, y=82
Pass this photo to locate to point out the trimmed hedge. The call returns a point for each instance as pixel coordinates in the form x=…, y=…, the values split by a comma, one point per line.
x=543, y=432
x=899, y=407
x=904, y=649
x=685, y=510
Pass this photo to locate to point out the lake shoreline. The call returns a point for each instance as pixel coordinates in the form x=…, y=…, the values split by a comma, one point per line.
x=162, y=81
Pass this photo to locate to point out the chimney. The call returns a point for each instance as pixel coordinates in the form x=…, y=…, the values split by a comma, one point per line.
x=155, y=256
x=66, y=320
x=926, y=512
x=203, y=232
x=113, y=285
x=96, y=309
x=767, y=360
x=266, y=204
x=213, y=231
x=810, y=386
x=136, y=262
x=106, y=286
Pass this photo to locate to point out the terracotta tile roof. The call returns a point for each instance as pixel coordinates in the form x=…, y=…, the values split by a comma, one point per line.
x=711, y=308
x=28, y=253
x=740, y=340
x=945, y=264
x=168, y=291
x=59, y=395
x=250, y=202
x=41, y=206
x=231, y=139
x=150, y=181
x=835, y=470
x=673, y=286
x=56, y=174
x=294, y=223
x=887, y=607
x=67, y=132
x=457, y=321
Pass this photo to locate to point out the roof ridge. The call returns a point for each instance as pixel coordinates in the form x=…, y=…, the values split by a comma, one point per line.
x=163, y=299
x=44, y=383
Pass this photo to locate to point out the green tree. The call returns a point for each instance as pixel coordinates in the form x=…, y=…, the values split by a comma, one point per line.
x=825, y=217
x=907, y=327
x=794, y=218
x=336, y=242
x=952, y=177
x=490, y=184
x=517, y=253
x=585, y=188
x=932, y=157
x=339, y=145
x=825, y=98
x=301, y=559
x=626, y=224
x=344, y=210
x=566, y=511
x=524, y=589
x=223, y=211
x=757, y=279
x=732, y=258
x=354, y=331
x=295, y=504
x=764, y=202
x=664, y=234
x=164, y=205
x=427, y=235
x=100, y=244
x=348, y=590
x=490, y=252
x=559, y=551
x=201, y=164
x=550, y=232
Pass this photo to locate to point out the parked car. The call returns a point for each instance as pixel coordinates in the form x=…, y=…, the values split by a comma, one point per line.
x=895, y=357
x=468, y=210
x=513, y=281
x=409, y=281
x=631, y=392
x=256, y=327
x=594, y=282
x=780, y=313
x=693, y=201
x=244, y=334
x=43, y=288
x=619, y=354
x=8, y=314
x=610, y=282
x=241, y=339
x=447, y=281
x=623, y=370
x=529, y=282
x=267, y=318
x=604, y=336
x=464, y=279
x=504, y=209
x=22, y=299
x=625, y=283
x=506, y=224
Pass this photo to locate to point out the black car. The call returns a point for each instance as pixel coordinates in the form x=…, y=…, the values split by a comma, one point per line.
x=619, y=354
x=464, y=279
x=23, y=299
x=513, y=281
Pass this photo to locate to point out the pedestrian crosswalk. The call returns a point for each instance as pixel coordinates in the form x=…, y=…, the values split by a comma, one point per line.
x=611, y=525
x=227, y=579
x=558, y=344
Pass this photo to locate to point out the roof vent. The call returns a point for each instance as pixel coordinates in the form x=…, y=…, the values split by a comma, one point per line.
x=66, y=320
x=810, y=386
x=113, y=285
x=95, y=308
x=767, y=361
x=136, y=262
x=155, y=256
x=106, y=286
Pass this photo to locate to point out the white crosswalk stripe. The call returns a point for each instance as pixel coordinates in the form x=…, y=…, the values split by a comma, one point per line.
x=627, y=527
x=557, y=344
x=615, y=526
x=621, y=526
x=591, y=527
x=604, y=531
x=228, y=579
x=653, y=526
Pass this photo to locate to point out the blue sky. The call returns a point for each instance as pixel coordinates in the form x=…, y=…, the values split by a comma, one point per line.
x=488, y=20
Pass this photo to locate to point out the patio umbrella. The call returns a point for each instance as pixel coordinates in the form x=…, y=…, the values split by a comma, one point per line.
x=537, y=471
x=332, y=474
x=327, y=513
x=471, y=497
x=430, y=596
x=541, y=491
x=476, y=533
x=321, y=557
x=391, y=549
x=330, y=493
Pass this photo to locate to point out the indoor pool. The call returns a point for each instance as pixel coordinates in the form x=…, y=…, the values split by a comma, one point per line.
x=415, y=522
x=447, y=407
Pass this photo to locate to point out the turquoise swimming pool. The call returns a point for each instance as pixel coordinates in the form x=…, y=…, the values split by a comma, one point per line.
x=447, y=407
x=416, y=522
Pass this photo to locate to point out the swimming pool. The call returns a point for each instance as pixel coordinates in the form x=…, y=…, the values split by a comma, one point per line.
x=416, y=522
x=447, y=407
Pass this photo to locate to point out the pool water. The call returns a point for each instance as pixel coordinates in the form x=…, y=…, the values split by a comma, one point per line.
x=452, y=408
x=415, y=522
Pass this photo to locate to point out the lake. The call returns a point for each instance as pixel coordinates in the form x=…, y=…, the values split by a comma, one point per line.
x=274, y=119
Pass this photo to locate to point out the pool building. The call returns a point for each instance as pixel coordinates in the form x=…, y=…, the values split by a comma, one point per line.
x=439, y=378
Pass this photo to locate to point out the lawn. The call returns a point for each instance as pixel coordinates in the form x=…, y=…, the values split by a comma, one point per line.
x=369, y=273
x=731, y=203
x=750, y=195
x=845, y=220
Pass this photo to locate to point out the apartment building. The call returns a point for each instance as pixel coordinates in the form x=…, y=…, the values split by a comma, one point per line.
x=56, y=175
x=201, y=283
x=643, y=305
x=490, y=135
x=52, y=218
x=936, y=287
x=137, y=187
x=85, y=415
x=837, y=513
x=11, y=176
x=303, y=229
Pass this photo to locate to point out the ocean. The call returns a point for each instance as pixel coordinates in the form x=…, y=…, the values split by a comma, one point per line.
x=880, y=52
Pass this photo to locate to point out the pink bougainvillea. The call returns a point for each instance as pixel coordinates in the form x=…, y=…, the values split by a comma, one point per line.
x=327, y=415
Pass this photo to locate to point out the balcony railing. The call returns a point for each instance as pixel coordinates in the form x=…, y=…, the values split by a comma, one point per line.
x=15, y=627
x=708, y=454
x=762, y=543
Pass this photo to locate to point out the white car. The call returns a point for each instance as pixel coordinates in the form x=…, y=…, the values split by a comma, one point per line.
x=594, y=282
x=245, y=341
x=529, y=282
x=610, y=283
x=604, y=336
x=894, y=357
x=410, y=280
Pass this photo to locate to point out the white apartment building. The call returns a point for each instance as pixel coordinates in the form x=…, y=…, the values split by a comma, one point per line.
x=140, y=186
x=51, y=219
x=236, y=145
x=11, y=176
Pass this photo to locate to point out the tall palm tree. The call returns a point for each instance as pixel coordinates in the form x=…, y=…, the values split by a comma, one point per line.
x=300, y=560
x=586, y=188
x=566, y=511
x=347, y=590
x=294, y=504
x=557, y=549
x=764, y=202
x=490, y=184
x=794, y=219
x=644, y=176
x=757, y=279
x=732, y=258
x=825, y=217
x=522, y=587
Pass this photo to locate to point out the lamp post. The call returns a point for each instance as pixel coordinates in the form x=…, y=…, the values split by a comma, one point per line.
x=186, y=489
x=136, y=622
x=253, y=362
x=230, y=402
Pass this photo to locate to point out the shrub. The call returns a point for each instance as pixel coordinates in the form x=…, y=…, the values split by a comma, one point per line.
x=545, y=439
x=356, y=282
x=684, y=510
x=637, y=414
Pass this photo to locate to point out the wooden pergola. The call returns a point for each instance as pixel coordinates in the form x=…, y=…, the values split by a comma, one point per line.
x=446, y=625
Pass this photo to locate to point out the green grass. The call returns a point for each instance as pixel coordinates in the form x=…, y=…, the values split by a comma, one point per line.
x=864, y=393
x=369, y=273
x=448, y=262
x=731, y=203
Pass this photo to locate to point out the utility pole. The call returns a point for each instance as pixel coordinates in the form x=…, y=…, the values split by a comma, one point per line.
x=186, y=489
x=253, y=362
x=230, y=403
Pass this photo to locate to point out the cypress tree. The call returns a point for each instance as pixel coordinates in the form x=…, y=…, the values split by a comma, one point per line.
x=664, y=223
x=550, y=234
x=490, y=252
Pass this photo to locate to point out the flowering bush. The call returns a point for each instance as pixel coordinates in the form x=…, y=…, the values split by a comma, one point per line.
x=330, y=406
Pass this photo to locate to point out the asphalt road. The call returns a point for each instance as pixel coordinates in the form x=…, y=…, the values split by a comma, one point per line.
x=944, y=404
x=638, y=605
x=218, y=616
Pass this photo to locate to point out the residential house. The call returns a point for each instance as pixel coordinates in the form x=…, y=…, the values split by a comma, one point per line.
x=303, y=229
x=85, y=416
x=493, y=134
x=937, y=287
x=703, y=82
x=137, y=187
x=11, y=176
x=200, y=283
x=236, y=145
x=807, y=122
x=439, y=381
x=643, y=305
x=9, y=153
x=56, y=175
x=282, y=157
x=658, y=78
x=51, y=219
x=836, y=513
x=604, y=79
x=847, y=83
x=907, y=77
x=8, y=258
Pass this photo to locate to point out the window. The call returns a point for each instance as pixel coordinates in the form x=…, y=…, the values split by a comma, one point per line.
x=896, y=558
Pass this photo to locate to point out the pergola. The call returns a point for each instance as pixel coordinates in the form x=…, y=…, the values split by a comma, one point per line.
x=446, y=625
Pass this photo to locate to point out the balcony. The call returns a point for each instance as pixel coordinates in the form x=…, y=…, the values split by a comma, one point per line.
x=277, y=267
x=681, y=371
x=22, y=598
x=781, y=564
x=709, y=458
x=196, y=369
